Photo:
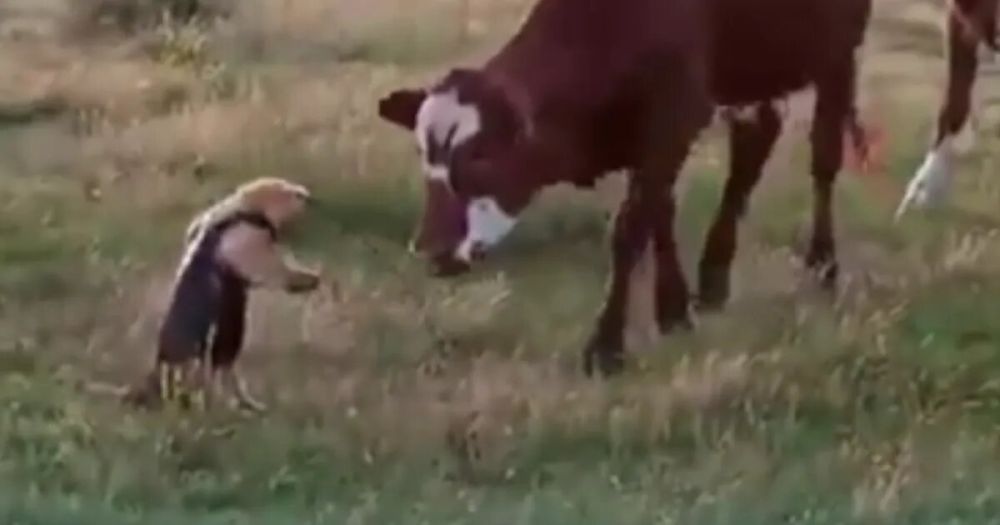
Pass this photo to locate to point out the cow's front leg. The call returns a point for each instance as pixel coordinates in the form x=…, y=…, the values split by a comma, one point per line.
x=682, y=115
x=678, y=109
x=632, y=234
x=672, y=296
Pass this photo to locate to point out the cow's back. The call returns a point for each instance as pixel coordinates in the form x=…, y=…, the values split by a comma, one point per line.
x=767, y=48
x=579, y=67
x=572, y=54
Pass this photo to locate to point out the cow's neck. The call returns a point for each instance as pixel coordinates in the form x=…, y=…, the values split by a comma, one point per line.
x=552, y=153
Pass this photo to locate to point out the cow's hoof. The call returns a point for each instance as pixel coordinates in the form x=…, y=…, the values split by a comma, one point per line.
x=603, y=359
x=713, y=290
x=825, y=272
x=673, y=322
x=673, y=310
x=673, y=315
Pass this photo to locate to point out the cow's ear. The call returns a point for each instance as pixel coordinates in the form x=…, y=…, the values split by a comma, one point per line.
x=401, y=107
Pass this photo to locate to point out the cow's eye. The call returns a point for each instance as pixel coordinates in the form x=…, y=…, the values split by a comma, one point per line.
x=466, y=182
x=476, y=151
x=458, y=183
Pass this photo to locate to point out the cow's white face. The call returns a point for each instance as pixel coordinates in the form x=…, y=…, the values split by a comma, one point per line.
x=444, y=123
x=466, y=137
x=444, y=126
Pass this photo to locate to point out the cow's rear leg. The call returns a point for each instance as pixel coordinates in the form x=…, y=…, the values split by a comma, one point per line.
x=751, y=141
x=834, y=106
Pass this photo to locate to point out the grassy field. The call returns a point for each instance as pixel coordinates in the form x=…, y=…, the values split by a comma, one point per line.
x=397, y=398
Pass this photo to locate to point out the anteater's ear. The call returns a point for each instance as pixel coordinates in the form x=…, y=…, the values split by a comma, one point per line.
x=401, y=107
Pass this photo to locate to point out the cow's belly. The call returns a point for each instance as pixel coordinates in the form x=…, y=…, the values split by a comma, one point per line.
x=733, y=88
x=769, y=48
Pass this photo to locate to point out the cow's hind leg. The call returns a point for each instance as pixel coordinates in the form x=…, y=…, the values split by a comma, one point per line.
x=834, y=105
x=751, y=140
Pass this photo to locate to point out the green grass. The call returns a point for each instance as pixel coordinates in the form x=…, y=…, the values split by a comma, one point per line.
x=398, y=398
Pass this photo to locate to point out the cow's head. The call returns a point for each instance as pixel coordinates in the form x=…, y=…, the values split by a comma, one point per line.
x=471, y=142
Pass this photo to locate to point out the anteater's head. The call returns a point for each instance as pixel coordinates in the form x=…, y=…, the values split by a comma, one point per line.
x=280, y=200
x=469, y=137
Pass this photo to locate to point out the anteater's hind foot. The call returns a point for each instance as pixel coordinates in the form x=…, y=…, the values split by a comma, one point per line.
x=232, y=383
x=183, y=385
x=147, y=394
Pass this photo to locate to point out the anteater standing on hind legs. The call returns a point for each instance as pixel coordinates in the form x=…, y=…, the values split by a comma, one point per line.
x=230, y=248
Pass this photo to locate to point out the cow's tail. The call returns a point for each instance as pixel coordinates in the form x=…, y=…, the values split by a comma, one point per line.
x=865, y=147
x=858, y=137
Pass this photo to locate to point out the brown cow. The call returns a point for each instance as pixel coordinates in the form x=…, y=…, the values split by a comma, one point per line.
x=587, y=87
x=971, y=24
